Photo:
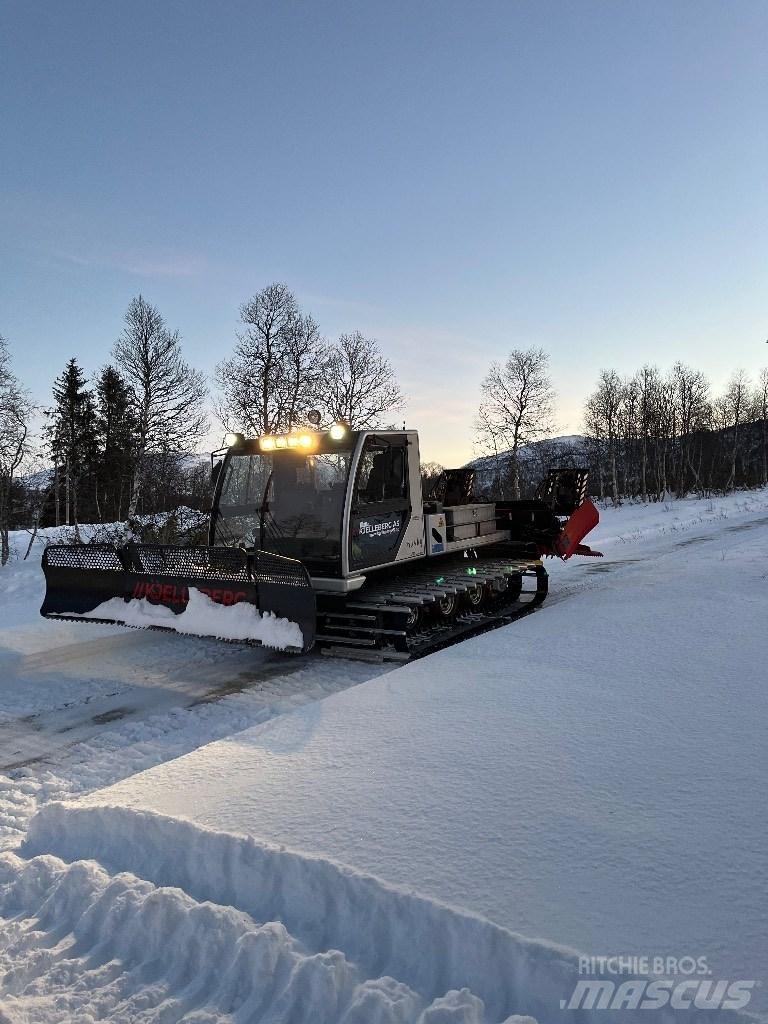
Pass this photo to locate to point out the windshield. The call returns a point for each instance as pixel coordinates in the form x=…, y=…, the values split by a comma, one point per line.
x=285, y=502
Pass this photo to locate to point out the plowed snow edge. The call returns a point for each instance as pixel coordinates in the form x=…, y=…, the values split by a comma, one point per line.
x=376, y=935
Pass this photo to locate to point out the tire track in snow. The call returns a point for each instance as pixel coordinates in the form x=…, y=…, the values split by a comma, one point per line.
x=82, y=650
x=90, y=756
x=44, y=736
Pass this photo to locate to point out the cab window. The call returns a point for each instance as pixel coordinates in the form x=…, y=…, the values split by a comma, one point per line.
x=382, y=474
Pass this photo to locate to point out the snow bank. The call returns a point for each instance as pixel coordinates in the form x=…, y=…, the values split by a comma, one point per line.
x=121, y=948
x=204, y=617
x=383, y=941
x=649, y=523
x=186, y=520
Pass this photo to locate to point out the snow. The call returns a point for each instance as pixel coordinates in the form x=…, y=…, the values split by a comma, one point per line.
x=143, y=953
x=280, y=953
x=84, y=704
x=591, y=777
x=204, y=617
x=184, y=520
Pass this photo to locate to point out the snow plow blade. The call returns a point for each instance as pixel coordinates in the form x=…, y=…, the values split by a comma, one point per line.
x=584, y=519
x=194, y=590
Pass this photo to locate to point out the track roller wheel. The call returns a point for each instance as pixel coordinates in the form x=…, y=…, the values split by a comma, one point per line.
x=475, y=596
x=446, y=606
x=413, y=619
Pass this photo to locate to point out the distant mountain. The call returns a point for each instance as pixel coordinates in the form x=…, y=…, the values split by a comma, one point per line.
x=550, y=447
x=491, y=471
x=38, y=481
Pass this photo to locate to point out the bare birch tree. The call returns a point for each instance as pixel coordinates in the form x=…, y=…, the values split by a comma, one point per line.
x=15, y=411
x=761, y=411
x=603, y=420
x=168, y=395
x=736, y=410
x=430, y=474
x=517, y=407
x=691, y=399
x=360, y=386
x=277, y=369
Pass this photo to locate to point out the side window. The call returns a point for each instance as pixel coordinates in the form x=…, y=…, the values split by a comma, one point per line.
x=381, y=475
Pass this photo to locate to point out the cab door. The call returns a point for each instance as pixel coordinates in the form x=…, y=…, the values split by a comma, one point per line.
x=381, y=502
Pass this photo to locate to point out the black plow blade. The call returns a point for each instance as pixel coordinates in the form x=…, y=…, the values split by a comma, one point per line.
x=200, y=590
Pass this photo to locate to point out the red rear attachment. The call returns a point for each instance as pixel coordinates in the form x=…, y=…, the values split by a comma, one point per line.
x=584, y=519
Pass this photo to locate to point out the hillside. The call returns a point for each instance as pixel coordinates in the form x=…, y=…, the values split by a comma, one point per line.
x=534, y=461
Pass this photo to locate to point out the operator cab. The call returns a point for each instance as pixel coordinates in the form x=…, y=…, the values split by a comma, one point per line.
x=339, y=501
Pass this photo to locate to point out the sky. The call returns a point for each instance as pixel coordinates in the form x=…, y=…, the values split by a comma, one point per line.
x=455, y=179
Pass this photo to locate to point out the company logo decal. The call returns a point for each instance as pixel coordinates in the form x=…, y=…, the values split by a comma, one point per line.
x=171, y=594
x=384, y=529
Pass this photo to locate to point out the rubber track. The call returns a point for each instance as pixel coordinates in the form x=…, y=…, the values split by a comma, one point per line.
x=437, y=635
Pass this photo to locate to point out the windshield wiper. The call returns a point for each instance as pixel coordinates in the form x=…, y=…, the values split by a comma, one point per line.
x=264, y=507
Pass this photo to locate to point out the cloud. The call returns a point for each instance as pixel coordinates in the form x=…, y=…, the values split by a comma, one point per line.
x=38, y=223
x=142, y=263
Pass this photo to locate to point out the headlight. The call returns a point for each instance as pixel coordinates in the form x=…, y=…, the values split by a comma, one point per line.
x=232, y=439
x=267, y=444
x=337, y=431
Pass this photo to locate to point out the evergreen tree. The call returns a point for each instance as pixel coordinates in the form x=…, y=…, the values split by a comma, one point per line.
x=115, y=425
x=72, y=439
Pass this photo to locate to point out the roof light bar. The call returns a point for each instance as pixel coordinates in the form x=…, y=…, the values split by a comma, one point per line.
x=270, y=442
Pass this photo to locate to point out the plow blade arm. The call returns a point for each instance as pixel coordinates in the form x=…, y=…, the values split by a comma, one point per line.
x=207, y=591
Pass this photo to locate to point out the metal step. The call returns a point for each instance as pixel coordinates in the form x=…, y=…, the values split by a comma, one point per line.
x=352, y=641
x=366, y=629
x=354, y=654
x=393, y=609
x=347, y=616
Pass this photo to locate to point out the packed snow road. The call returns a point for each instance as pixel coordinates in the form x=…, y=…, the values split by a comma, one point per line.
x=592, y=775
x=125, y=678
x=83, y=705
